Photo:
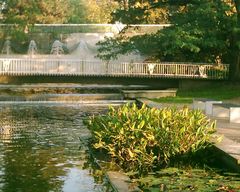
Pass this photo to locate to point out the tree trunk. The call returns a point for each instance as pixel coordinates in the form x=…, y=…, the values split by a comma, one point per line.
x=235, y=68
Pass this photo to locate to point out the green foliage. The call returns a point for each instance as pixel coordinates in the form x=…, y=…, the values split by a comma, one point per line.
x=218, y=92
x=141, y=139
x=219, y=70
x=112, y=47
x=28, y=12
x=140, y=11
x=173, y=179
x=177, y=99
x=24, y=14
x=91, y=11
x=201, y=30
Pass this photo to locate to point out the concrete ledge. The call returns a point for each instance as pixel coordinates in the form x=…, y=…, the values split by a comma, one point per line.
x=121, y=182
x=226, y=110
x=199, y=103
x=133, y=94
x=204, y=104
x=234, y=114
x=118, y=180
x=209, y=106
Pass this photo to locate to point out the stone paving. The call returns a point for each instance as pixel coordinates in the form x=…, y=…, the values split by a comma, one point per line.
x=229, y=130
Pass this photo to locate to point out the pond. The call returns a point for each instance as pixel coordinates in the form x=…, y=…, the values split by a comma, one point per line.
x=40, y=149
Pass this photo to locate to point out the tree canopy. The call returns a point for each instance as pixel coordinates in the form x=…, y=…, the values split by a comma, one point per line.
x=201, y=31
x=42, y=11
x=140, y=11
x=56, y=11
x=25, y=13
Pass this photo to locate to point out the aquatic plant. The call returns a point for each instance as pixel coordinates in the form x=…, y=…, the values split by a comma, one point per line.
x=140, y=139
x=189, y=179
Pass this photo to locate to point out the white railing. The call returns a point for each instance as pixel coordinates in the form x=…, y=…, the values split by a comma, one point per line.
x=76, y=67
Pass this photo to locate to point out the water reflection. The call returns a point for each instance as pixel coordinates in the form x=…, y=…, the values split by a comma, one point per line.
x=40, y=149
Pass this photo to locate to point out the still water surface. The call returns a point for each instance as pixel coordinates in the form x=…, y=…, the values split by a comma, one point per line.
x=40, y=150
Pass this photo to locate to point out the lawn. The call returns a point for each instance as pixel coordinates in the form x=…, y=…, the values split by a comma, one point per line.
x=223, y=92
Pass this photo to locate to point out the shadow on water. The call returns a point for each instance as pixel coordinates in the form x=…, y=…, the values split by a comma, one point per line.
x=40, y=149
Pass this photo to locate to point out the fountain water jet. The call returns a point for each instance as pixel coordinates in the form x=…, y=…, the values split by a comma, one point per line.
x=57, y=48
x=85, y=51
x=7, y=47
x=32, y=48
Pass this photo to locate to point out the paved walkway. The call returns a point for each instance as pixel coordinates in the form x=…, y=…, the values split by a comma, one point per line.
x=231, y=138
x=230, y=144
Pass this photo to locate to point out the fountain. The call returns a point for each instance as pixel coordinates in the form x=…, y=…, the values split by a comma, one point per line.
x=32, y=48
x=74, y=54
x=85, y=51
x=7, y=47
x=57, y=48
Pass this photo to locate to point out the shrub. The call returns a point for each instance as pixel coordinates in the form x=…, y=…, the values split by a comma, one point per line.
x=140, y=139
x=218, y=71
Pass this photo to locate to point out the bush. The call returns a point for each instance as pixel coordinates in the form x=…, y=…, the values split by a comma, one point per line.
x=141, y=139
x=218, y=71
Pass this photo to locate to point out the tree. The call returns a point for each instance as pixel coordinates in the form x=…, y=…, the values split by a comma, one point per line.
x=100, y=11
x=79, y=12
x=57, y=11
x=53, y=11
x=140, y=11
x=2, y=8
x=235, y=68
x=201, y=31
x=92, y=11
x=27, y=12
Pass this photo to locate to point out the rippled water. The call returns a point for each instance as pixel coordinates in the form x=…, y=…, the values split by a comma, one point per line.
x=40, y=150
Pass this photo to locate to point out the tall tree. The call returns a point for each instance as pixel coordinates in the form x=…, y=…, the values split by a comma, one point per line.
x=92, y=11
x=140, y=11
x=2, y=8
x=100, y=11
x=79, y=12
x=58, y=11
x=53, y=11
x=26, y=12
x=201, y=31
x=235, y=68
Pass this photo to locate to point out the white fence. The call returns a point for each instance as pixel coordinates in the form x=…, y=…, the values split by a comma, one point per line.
x=75, y=67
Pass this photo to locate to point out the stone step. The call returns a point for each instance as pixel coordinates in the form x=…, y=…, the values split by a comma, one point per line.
x=61, y=97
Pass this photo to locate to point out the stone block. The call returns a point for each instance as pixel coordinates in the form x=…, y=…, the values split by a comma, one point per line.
x=234, y=115
x=220, y=111
x=209, y=106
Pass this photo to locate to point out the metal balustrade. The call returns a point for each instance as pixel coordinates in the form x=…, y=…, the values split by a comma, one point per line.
x=76, y=67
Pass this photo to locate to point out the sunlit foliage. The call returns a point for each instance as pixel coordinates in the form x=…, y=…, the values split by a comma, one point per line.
x=143, y=139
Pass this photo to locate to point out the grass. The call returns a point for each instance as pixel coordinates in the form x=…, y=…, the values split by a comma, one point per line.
x=176, y=99
x=223, y=92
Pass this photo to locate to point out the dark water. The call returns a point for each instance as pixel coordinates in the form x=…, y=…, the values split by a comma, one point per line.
x=40, y=150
